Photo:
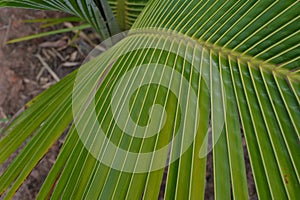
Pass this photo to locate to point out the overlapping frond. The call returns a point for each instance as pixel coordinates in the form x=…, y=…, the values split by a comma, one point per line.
x=106, y=16
x=127, y=11
x=99, y=15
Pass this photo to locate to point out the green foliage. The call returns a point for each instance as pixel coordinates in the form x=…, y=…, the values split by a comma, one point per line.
x=29, y=37
x=240, y=59
x=86, y=10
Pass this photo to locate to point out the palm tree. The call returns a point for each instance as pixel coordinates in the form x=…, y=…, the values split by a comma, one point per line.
x=190, y=77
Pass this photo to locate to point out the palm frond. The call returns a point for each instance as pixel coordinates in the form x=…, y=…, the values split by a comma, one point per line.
x=104, y=23
x=29, y=37
x=143, y=108
x=106, y=16
x=256, y=47
x=127, y=11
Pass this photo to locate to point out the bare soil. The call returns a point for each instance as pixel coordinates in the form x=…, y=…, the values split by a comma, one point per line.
x=23, y=76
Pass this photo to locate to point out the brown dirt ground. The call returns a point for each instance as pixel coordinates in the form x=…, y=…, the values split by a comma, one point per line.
x=23, y=76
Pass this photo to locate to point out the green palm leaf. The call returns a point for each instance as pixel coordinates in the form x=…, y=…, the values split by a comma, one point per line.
x=143, y=108
x=127, y=11
x=103, y=22
x=106, y=17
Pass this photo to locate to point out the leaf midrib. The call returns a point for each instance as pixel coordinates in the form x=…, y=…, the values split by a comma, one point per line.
x=224, y=52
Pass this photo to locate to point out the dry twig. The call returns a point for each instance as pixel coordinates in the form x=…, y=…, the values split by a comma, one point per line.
x=51, y=72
